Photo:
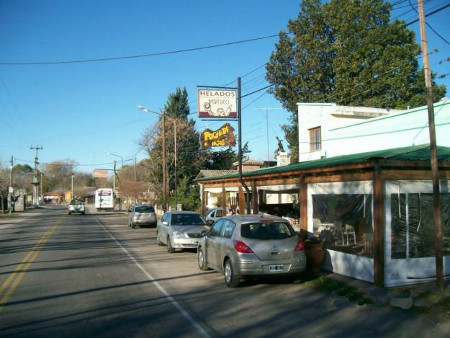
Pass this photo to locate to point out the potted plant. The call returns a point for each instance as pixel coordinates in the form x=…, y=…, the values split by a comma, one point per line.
x=315, y=255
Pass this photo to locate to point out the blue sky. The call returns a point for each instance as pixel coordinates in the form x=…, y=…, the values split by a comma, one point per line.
x=79, y=111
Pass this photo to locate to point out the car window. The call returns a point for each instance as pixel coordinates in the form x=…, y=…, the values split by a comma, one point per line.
x=215, y=230
x=274, y=230
x=165, y=218
x=145, y=209
x=227, y=229
x=187, y=219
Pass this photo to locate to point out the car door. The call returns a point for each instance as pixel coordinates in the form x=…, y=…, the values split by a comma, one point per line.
x=164, y=229
x=225, y=242
x=212, y=245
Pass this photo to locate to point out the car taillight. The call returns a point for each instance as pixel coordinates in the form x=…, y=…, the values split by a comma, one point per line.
x=241, y=247
x=300, y=245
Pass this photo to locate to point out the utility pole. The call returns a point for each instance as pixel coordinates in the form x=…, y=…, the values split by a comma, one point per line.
x=35, y=181
x=433, y=151
x=72, y=197
x=163, y=142
x=135, y=177
x=267, y=129
x=114, y=184
x=10, y=189
x=239, y=111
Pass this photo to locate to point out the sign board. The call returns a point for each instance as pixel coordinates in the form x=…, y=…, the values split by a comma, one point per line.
x=217, y=103
x=100, y=173
x=222, y=137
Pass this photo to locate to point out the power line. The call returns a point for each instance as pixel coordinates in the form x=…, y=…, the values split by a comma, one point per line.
x=44, y=63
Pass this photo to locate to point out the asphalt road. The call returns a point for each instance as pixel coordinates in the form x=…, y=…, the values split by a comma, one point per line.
x=91, y=275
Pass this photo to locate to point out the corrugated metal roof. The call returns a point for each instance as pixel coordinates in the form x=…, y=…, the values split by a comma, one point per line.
x=413, y=153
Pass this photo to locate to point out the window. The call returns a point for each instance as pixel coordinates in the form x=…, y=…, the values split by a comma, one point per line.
x=275, y=230
x=215, y=230
x=227, y=229
x=315, y=139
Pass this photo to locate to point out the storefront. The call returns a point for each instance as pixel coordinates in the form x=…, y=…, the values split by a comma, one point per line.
x=373, y=211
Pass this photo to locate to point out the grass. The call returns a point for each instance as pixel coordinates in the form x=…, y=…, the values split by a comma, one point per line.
x=328, y=285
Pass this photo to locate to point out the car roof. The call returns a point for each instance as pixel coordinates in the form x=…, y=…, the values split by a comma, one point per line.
x=254, y=218
x=184, y=212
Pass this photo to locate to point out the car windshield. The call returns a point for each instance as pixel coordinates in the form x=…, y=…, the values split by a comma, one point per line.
x=145, y=208
x=76, y=202
x=274, y=230
x=187, y=219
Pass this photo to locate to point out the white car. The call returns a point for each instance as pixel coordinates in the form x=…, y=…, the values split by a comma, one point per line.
x=76, y=206
x=180, y=230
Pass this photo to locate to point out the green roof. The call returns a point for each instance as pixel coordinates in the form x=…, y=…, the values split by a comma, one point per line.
x=412, y=153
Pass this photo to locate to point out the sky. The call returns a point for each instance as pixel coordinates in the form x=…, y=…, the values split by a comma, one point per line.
x=87, y=111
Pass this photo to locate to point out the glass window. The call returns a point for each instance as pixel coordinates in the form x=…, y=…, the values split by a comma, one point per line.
x=344, y=222
x=215, y=230
x=227, y=229
x=219, y=213
x=187, y=219
x=145, y=209
x=413, y=225
x=315, y=139
x=275, y=230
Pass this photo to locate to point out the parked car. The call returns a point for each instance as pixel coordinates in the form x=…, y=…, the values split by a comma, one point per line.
x=142, y=214
x=180, y=230
x=76, y=206
x=251, y=245
x=214, y=214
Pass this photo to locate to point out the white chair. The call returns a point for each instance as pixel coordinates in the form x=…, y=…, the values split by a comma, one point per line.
x=349, y=230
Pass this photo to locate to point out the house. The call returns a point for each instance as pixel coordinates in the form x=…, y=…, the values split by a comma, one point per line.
x=327, y=130
x=372, y=208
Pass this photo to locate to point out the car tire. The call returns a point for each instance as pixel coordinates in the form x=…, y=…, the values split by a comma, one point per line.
x=231, y=279
x=201, y=260
x=70, y=213
x=170, y=249
x=158, y=241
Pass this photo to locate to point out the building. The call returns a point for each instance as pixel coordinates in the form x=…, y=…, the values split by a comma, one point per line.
x=373, y=209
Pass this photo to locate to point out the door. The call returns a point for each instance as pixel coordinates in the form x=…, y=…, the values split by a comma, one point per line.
x=212, y=244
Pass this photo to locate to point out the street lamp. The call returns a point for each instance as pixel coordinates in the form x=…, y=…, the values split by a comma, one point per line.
x=109, y=153
x=163, y=128
x=72, y=176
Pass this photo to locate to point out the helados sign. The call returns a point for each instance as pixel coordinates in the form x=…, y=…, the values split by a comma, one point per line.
x=222, y=137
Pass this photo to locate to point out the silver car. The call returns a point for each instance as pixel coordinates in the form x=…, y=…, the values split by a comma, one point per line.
x=142, y=214
x=76, y=206
x=180, y=230
x=244, y=246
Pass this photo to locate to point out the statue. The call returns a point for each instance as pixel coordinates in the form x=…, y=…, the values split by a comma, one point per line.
x=280, y=146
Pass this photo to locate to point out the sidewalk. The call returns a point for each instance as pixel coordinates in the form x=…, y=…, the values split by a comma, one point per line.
x=419, y=299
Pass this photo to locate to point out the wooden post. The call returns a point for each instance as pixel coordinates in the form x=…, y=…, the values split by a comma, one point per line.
x=303, y=201
x=255, y=205
x=379, y=227
x=241, y=201
x=224, y=200
x=203, y=201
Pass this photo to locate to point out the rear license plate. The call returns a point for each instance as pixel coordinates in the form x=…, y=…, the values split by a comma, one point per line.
x=276, y=267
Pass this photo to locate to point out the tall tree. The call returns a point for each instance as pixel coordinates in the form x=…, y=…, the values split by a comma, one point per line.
x=346, y=52
x=189, y=154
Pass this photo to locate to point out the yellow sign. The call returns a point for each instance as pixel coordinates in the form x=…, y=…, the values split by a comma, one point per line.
x=222, y=137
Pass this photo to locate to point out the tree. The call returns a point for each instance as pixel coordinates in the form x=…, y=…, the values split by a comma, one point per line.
x=189, y=154
x=346, y=52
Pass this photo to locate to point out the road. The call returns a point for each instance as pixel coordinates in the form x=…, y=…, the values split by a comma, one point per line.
x=91, y=275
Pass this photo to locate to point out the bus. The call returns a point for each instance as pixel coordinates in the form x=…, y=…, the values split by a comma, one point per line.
x=104, y=199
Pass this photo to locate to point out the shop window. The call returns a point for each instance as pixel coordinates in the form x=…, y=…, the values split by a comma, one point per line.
x=344, y=222
x=315, y=139
x=413, y=225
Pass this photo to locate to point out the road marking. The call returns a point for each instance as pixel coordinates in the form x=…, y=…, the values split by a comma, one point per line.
x=177, y=305
x=19, y=272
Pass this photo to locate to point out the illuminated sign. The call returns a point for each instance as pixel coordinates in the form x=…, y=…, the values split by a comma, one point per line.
x=217, y=103
x=222, y=137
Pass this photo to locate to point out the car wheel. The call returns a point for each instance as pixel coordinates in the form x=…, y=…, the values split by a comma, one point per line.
x=170, y=249
x=231, y=280
x=158, y=241
x=201, y=260
x=70, y=213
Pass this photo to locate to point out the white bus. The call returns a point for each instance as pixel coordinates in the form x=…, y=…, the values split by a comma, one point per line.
x=104, y=199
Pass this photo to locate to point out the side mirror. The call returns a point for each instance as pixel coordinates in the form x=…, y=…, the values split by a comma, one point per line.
x=209, y=222
x=204, y=233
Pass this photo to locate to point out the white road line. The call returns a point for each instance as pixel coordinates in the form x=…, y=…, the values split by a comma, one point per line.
x=160, y=288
